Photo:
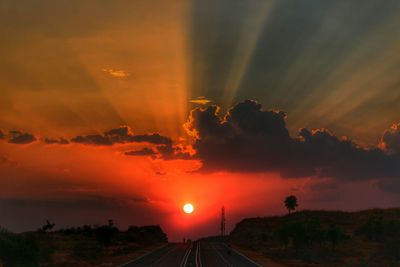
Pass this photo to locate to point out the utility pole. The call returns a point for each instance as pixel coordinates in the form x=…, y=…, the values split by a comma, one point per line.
x=223, y=221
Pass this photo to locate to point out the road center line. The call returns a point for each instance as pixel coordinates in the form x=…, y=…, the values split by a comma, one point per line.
x=222, y=257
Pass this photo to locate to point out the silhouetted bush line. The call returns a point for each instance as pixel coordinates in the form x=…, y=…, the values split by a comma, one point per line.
x=82, y=243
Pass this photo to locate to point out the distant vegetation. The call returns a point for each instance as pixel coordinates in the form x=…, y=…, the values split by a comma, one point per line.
x=75, y=245
x=330, y=238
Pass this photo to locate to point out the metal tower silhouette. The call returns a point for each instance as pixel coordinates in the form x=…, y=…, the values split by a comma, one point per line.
x=223, y=221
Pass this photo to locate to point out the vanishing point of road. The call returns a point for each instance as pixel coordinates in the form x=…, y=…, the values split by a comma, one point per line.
x=196, y=254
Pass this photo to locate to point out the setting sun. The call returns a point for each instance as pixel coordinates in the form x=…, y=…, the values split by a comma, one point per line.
x=188, y=208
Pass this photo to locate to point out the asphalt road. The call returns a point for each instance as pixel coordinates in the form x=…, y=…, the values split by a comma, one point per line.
x=197, y=254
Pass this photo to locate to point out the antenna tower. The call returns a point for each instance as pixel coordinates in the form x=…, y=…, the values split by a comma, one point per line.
x=223, y=221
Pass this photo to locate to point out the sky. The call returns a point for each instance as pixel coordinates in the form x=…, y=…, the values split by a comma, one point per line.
x=126, y=110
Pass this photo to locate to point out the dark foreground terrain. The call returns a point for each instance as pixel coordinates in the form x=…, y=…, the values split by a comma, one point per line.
x=322, y=238
x=368, y=238
x=86, y=246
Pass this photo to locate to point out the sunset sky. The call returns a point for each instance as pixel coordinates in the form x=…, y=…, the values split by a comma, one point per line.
x=127, y=110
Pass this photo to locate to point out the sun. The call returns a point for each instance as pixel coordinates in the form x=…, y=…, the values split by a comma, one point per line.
x=188, y=208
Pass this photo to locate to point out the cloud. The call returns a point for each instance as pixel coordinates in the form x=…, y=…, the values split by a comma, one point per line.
x=60, y=141
x=74, y=202
x=2, y=136
x=165, y=152
x=168, y=152
x=122, y=134
x=153, y=138
x=117, y=73
x=391, y=139
x=18, y=137
x=250, y=139
x=391, y=185
x=92, y=139
x=142, y=152
x=201, y=100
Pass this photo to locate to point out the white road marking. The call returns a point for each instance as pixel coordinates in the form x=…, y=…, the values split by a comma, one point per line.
x=186, y=256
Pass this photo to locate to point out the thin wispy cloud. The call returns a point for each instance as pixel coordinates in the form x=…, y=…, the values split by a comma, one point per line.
x=116, y=73
x=201, y=100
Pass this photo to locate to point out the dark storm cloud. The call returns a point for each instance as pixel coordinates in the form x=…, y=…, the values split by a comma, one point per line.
x=250, y=139
x=18, y=137
x=60, y=141
x=121, y=135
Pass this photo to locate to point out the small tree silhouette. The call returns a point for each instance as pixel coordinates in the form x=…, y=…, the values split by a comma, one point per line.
x=48, y=226
x=291, y=203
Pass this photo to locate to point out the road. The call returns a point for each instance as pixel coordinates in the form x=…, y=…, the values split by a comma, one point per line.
x=197, y=254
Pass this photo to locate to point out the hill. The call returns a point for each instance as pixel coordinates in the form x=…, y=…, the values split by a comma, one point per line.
x=324, y=238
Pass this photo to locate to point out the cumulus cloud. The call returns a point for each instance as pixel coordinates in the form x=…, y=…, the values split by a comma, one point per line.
x=18, y=137
x=60, y=141
x=391, y=139
x=250, y=139
x=122, y=134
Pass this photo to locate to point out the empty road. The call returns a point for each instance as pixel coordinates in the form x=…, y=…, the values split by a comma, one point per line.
x=197, y=254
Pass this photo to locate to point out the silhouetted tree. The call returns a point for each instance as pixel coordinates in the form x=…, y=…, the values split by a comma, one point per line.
x=48, y=226
x=291, y=203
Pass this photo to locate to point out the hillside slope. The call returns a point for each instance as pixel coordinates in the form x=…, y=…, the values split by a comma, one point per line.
x=324, y=238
